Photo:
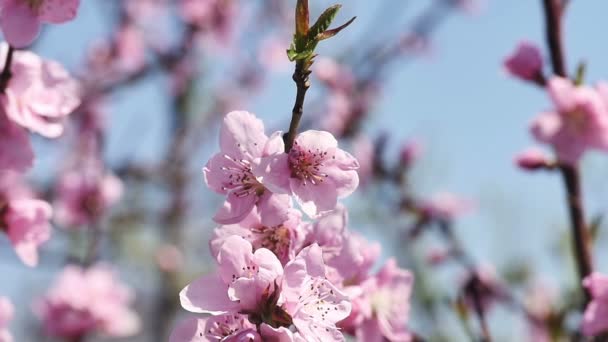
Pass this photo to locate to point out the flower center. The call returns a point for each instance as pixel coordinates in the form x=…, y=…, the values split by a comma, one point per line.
x=241, y=181
x=318, y=300
x=34, y=4
x=276, y=239
x=576, y=121
x=226, y=326
x=306, y=165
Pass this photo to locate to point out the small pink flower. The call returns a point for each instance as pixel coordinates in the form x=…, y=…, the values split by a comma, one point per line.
x=595, y=318
x=526, y=62
x=86, y=301
x=39, y=95
x=169, y=258
x=384, y=305
x=446, y=206
x=23, y=219
x=241, y=280
x=283, y=239
x=20, y=20
x=27, y=225
x=230, y=327
x=364, y=152
x=84, y=194
x=16, y=152
x=334, y=75
x=532, y=159
x=348, y=255
x=410, y=152
x=234, y=171
x=579, y=121
x=315, y=171
x=314, y=304
x=7, y=312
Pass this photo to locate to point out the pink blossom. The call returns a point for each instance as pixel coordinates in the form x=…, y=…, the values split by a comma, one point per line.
x=315, y=171
x=314, y=304
x=446, y=206
x=20, y=20
x=532, y=159
x=86, y=301
x=283, y=239
x=595, y=318
x=579, y=121
x=272, y=54
x=334, y=75
x=214, y=17
x=383, y=306
x=230, y=327
x=39, y=95
x=16, y=152
x=339, y=112
x=526, y=62
x=23, y=219
x=169, y=258
x=410, y=152
x=348, y=255
x=84, y=194
x=257, y=284
x=364, y=152
x=6, y=315
x=234, y=171
x=27, y=225
x=242, y=279
x=130, y=48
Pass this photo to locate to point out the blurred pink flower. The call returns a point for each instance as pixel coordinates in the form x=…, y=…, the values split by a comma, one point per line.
x=7, y=311
x=23, y=219
x=315, y=171
x=16, y=152
x=532, y=159
x=169, y=258
x=595, y=318
x=446, y=206
x=381, y=309
x=84, y=194
x=410, y=152
x=579, y=121
x=334, y=75
x=87, y=301
x=364, y=152
x=39, y=95
x=130, y=48
x=526, y=62
x=27, y=225
x=20, y=20
x=234, y=171
x=272, y=54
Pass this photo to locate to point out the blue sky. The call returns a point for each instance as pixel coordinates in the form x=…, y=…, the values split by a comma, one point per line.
x=471, y=116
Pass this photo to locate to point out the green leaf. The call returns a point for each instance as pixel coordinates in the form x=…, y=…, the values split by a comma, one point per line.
x=323, y=23
x=302, y=18
x=330, y=33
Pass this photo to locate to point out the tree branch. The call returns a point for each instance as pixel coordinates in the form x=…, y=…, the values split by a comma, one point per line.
x=6, y=74
x=301, y=78
x=553, y=10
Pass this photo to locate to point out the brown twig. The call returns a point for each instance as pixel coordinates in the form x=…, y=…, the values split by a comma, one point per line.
x=580, y=234
x=6, y=74
x=301, y=78
x=553, y=10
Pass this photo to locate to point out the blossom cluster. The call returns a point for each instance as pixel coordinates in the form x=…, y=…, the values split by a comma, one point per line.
x=288, y=267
